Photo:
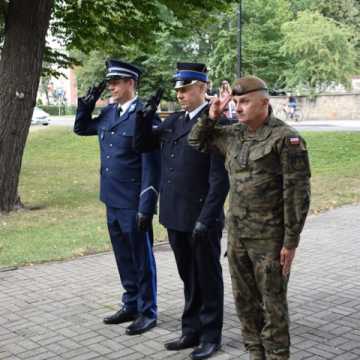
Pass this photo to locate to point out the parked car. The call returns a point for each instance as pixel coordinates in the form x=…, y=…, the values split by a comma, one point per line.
x=40, y=117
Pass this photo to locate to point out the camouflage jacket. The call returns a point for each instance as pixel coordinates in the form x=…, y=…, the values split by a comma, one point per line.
x=269, y=177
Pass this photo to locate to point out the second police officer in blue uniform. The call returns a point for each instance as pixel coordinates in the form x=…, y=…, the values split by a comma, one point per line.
x=129, y=188
x=192, y=193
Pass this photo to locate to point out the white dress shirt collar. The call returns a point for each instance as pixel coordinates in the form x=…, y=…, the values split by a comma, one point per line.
x=193, y=113
x=125, y=106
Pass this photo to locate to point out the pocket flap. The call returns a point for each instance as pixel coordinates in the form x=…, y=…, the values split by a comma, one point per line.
x=259, y=152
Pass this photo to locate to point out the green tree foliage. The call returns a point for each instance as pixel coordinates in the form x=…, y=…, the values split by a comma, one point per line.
x=263, y=38
x=212, y=41
x=108, y=24
x=113, y=26
x=157, y=61
x=222, y=46
x=322, y=51
x=344, y=11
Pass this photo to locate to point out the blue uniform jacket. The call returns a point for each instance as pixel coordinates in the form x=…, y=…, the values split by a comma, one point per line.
x=194, y=185
x=128, y=179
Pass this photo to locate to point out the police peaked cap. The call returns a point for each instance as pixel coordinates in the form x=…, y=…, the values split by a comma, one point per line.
x=248, y=84
x=189, y=73
x=116, y=69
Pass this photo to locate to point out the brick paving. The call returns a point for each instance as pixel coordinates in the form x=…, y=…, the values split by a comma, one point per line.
x=55, y=311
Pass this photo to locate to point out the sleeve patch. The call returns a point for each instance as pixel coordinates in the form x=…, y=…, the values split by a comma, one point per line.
x=294, y=140
x=299, y=161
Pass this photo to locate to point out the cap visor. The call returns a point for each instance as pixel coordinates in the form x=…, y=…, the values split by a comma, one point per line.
x=179, y=84
x=117, y=77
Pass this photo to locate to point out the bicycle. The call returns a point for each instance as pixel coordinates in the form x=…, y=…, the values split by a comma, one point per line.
x=286, y=113
x=295, y=114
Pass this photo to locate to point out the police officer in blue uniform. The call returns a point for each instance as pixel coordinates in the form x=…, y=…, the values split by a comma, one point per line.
x=129, y=183
x=193, y=189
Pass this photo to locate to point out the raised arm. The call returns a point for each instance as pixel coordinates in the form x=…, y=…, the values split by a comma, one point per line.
x=84, y=124
x=146, y=135
x=208, y=134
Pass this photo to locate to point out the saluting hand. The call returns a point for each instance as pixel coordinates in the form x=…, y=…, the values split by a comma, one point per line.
x=218, y=106
x=93, y=94
x=286, y=259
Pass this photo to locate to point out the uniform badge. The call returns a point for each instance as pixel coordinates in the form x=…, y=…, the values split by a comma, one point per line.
x=132, y=107
x=294, y=140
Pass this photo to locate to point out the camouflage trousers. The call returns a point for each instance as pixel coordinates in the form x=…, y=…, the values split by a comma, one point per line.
x=259, y=290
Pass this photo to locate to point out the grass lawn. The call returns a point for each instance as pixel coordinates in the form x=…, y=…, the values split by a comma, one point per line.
x=335, y=164
x=60, y=181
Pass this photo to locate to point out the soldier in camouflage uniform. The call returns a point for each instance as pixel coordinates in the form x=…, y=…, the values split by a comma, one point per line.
x=269, y=199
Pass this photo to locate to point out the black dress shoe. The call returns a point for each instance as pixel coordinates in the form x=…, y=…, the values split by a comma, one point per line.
x=184, y=342
x=204, y=351
x=140, y=325
x=119, y=317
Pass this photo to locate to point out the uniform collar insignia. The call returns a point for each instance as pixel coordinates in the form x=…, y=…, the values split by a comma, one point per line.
x=132, y=107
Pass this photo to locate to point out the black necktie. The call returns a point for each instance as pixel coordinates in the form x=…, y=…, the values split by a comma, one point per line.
x=187, y=118
x=119, y=111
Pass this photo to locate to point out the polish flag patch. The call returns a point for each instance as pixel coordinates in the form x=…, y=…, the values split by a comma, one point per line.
x=294, y=140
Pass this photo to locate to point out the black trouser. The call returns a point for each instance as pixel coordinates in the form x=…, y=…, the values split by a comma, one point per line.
x=199, y=267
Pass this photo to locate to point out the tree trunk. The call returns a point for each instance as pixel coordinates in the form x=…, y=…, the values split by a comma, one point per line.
x=20, y=68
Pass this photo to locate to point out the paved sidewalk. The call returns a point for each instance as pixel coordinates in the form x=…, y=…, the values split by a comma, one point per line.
x=55, y=311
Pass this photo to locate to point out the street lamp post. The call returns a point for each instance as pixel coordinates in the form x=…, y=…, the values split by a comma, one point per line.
x=239, y=45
